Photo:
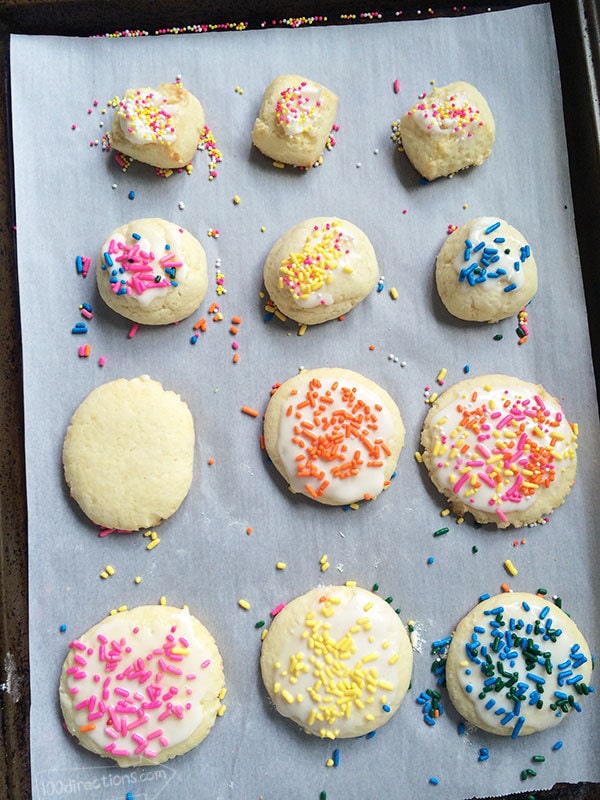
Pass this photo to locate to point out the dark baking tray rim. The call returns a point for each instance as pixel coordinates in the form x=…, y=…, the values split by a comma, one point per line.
x=577, y=31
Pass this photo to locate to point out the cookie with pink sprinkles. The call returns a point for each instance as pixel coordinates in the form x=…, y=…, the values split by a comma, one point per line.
x=142, y=686
x=500, y=449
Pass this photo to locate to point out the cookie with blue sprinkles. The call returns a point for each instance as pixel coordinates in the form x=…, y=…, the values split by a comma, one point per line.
x=518, y=664
x=485, y=271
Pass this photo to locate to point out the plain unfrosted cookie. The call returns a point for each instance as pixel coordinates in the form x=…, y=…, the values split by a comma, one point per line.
x=320, y=269
x=337, y=661
x=485, y=271
x=500, y=448
x=334, y=435
x=160, y=127
x=128, y=454
x=517, y=664
x=142, y=686
x=295, y=120
x=152, y=272
x=450, y=129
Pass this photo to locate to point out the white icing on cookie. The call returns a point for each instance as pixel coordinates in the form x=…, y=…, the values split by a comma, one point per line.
x=145, y=116
x=453, y=114
x=298, y=109
x=332, y=441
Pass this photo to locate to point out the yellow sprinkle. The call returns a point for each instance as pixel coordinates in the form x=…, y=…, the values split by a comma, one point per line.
x=236, y=200
x=110, y=570
x=153, y=543
x=104, y=574
x=510, y=567
x=287, y=696
x=122, y=608
x=222, y=693
x=279, y=315
x=137, y=579
x=444, y=512
x=433, y=397
x=244, y=604
x=354, y=506
x=302, y=329
x=325, y=566
x=441, y=375
x=394, y=293
x=263, y=635
x=418, y=457
x=350, y=583
x=281, y=565
x=221, y=711
x=181, y=651
x=329, y=762
x=278, y=164
x=323, y=559
x=162, y=601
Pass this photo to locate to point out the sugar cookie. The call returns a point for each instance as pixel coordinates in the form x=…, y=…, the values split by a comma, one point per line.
x=320, y=269
x=517, y=664
x=152, y=271
x=500, y=448
x=128, y=454
x=337, y=661
x=334, y=435
x=161, y=127
x=142, y=686
x=485, y=271
x=450, y=129
x=295, y=120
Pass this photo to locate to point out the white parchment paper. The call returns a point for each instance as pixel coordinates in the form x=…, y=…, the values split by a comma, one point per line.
x=70, y=195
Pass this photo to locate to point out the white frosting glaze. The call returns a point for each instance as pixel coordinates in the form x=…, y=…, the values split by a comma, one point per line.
x=136, y=691
x=147, y=267
x=147, y=117
x=298, y=108
x=443, y=116
x=522, y=661
x=313, y=275
x=332, y=441
x=492, y=260
x=497, y=448
x=342, y=661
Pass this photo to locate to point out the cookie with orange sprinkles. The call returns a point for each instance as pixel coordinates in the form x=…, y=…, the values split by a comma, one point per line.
x=334, y=435
x=161, y=127
x=320, y=269
x=500, y=448
x=337, y=661
x=142, y=686
x=294, y=121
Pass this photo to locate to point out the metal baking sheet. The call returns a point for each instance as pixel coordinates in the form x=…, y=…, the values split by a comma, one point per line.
x=70, y=194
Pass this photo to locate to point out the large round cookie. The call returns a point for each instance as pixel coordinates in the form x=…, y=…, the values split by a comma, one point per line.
x=334, y=435
x=295, y=120
x=152, y=271
x=517, y=664
x=338, y=661
x=320, y=269
x=161, y=127
x=485, y=271
x=128, y=454
x=142, y=686
x=500, y=448
x=450, y=129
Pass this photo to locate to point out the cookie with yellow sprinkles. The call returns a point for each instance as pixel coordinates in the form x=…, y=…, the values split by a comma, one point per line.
x=334, y=435
x=142, y=686
x=517, y=664
x=161, y=127
x=337, y=661
x=500, y=448
x=320, y=269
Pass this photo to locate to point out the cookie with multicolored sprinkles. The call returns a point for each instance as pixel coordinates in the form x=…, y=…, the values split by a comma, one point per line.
x=152, y=271
x=448, y=130
x=337, y=661
x=128, y=454
x=485, y=271
x=295, y=120
x=320, y=269
x=517, y=664
x=143, y=685
x=161, y=127
x=500, y=448
x=334, y=435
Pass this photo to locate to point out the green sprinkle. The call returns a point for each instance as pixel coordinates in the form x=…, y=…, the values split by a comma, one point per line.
x=542, y=591
x=260, y=623
x=538, y=759
x=520, y=332
x=375, y=587
x=474, y=549
x=389, y=599
x=323, y=795
x=441, y=531
x=497, y=337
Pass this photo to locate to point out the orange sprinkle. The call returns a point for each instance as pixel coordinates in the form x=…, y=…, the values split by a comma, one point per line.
x=236, y=320
x=371, y=347
x=236, y=358
x=213, y=307
x=200, y=325
x=249, y=531
x=86, y=728
x=505, y=587
x=210, y=461
x=252, y=412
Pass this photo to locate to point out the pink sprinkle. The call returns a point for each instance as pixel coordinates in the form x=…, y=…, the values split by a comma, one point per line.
x=204, y=665
x=133, y=330
x=396, y=86
x=502, y=515
x=460, y=482
x=277, y=609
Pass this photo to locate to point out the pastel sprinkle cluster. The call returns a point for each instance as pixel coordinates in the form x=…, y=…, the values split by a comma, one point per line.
x=296, y=109
x=451, y=115
x=146, y=115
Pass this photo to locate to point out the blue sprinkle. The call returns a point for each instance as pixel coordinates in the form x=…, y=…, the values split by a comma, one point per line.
x=87, y=306
x=479, y=247
x=544, y=612
x=433, y=781
x=194, y=339
x=468, y=688
x=499, y=240
x=511, y=287
x=63, y=628
x=108, y=260
x=430, y=560
x=517, y=728
x=336, y=758
x=79, y=264
x=492, y=228
x=557, y=745
x=461, y=728
x=370, y=735
x=484, y=597
x=136, y=236
x=490, y=703
x=386, y=708
x=131, y=195
x=129, y=796
x=79, y=328
x=466, y=369
x=429, y=720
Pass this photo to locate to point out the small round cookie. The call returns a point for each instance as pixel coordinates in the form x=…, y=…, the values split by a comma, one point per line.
x=501, y=449
x=320, y=269
x=128, y=454
x=517, y=664
x=450, y=129
x=334, y=435
x=160, y=127
x=142, y=686
x=337, y=661
x=152, y=271
x=485, y=271
x=295, y=119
